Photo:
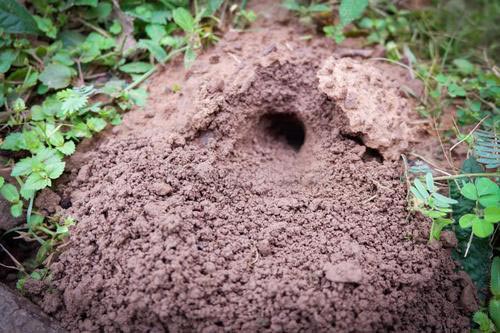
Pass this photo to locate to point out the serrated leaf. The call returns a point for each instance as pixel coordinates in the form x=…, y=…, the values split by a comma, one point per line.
x=13, y=141
x=469, y=191
x=156, y=50
x=36, y=182
x=56, y=139
x=351, y=10
x=55, y=170
x=23, y=167
x=182, y=17
x=96, y=124
x=56, y=76
x=10, y=193
x=15, y=19
x=68, y=148
x=137, y=67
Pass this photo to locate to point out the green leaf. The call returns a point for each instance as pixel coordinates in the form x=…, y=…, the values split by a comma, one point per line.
x=23, y=168
x=488, y=192
x=492, y=214
x=9, y=192
x=429, y=181
x=56, y=138
x=421, y=188
x=55, y=170
x=494, y=310
x=68, y=148
x=464, y=66
x=116, y=27
x=483, y=321
x=183, y=18
x=438, y=226
x=156, y=32
x=156, y=50
x=91, y=3
x=56, y=76
x=2, y=181
x=46, y=25
x=137, y=67
x=16, y=209
x=96, y=124
x=455, y=90
x=13, y=141
x=469, y=191
x=7, y=57
x=467, y=220
x=351, y=10
x=15, y=19
x=36, y=182
x=319, y=8
x=444, y=201
x=482, y=229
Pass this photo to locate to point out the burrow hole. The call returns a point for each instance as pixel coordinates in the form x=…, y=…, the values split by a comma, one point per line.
x=285, y=127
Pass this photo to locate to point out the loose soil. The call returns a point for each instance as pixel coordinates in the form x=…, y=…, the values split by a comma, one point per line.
x=250, y=201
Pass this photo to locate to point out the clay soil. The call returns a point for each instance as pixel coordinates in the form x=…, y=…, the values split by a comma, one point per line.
x=253, y=200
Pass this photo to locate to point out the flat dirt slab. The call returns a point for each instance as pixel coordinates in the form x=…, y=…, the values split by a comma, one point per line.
x=246, y=202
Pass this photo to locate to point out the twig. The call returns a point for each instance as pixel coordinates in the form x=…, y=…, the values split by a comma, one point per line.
x=14, y=260
x=464, y=175
x=470, y=133
x=369, y=199
x=80, y=73
x=450, y=163
x=94, y=27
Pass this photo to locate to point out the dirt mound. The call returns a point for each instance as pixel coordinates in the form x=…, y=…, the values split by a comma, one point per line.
x=245, y=204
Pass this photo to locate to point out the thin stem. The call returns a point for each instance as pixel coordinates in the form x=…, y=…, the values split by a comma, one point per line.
x=94, y=27
x=469, y=244
x=14, y=260
x=464, y=175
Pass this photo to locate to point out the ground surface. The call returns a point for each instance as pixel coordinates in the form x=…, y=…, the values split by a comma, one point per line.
x=249, y=201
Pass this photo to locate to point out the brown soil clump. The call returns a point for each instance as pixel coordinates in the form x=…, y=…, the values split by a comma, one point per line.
x=245, y=204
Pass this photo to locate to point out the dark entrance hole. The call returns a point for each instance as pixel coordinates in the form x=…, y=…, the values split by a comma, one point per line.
x=285, y=126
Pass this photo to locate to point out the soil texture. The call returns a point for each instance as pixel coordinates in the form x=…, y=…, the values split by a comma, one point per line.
x=246, y=202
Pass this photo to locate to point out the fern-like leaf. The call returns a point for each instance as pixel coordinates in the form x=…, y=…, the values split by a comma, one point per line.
x=74, y=99
x=487, y=148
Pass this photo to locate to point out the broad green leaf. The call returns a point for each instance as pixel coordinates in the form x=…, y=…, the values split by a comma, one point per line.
x=36, y=182
x=482, y=229
x=68, y=148
x=7, y=57
x=96, y=124
x=15, y=19
x=467, y=220
x=156, y=50
x=23, y=168
x=2, y=181
x=351, y=10
x=469, y=191
x=485, y=186
x=139, y=96
x=16, y=209
x=9, y=192
x=137, y=67
x=56, y=76
x=13, y=141
x=56, y=138
x=46, y=25
x=55, y=170
x=182, y=17
x=492, y=214
x=156, y=32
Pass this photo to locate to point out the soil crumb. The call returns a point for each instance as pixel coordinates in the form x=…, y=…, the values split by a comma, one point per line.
x=243, y=203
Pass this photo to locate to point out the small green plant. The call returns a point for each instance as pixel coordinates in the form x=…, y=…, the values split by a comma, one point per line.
x=486, y=195
x=349, y=11
x=306, y=10
x=489, y=321
x=432, y=204
x=243, y=18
